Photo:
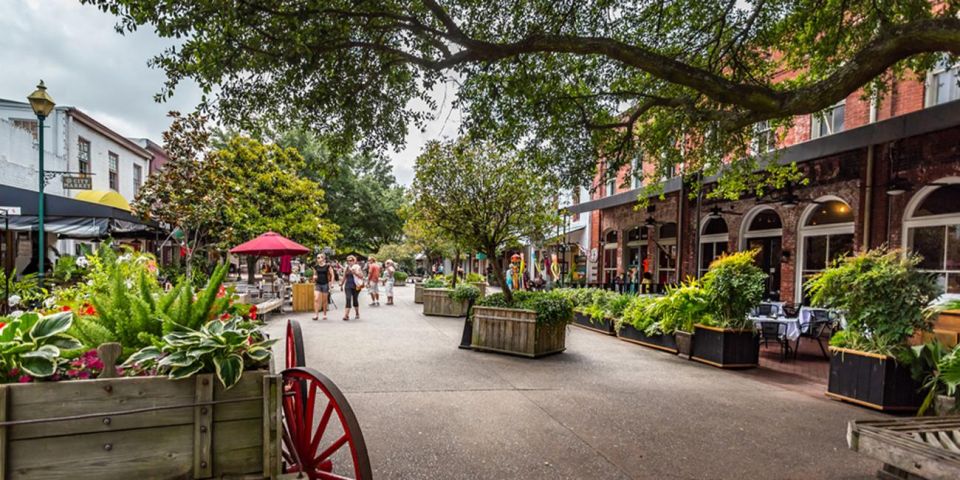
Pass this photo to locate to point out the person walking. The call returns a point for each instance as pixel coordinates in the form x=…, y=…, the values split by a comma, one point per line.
x=352, y=283
x=322, y=279
x=373, y=281
x=389, y=269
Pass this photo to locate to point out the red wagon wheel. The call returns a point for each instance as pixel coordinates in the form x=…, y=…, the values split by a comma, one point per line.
x=316, y=443
x=294, y=345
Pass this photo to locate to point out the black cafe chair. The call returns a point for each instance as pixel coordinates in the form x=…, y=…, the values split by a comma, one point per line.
x=777, y=333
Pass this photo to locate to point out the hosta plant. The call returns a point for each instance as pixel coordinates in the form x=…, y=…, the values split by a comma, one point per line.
x=225, y=348
x=31, y=344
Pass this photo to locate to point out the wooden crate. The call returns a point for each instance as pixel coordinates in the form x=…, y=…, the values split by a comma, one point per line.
x=515, y=331
x=482, y=286
x=437, y=301
x=164, y=434
x=418, y=293
x=302, y=297
x=924, y=447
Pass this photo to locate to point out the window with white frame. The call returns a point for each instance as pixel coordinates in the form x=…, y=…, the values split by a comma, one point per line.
x=114, y=171
x=667, y=261
x=714, y=241
x=137, y=179
x=942, y=83
x=611, y=186
x=933, y=231
x=825, y=237
x=83, y=155
x=636, y=172
x=829, y=121
x=610, y=256
x=764, y=137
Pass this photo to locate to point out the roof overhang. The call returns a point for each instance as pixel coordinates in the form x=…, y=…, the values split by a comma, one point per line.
x=931, y=119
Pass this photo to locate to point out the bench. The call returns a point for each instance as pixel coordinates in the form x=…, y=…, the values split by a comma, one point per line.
x=268, y=306
x=910, y=448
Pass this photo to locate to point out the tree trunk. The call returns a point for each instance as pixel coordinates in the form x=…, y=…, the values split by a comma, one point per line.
x=454, y=266
x=251, y=268
x=498, y=274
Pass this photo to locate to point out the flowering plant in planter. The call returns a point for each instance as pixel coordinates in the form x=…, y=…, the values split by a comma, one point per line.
x=33, y=345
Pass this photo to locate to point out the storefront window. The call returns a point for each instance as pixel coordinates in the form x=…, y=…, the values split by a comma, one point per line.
x=933, y=231
x=827, y=236
x=667, y=258
x=714, y=241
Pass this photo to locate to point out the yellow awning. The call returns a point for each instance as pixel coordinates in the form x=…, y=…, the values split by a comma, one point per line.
x=104, y=197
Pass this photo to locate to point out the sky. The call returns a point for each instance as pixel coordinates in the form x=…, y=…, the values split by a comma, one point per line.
x=86, y=64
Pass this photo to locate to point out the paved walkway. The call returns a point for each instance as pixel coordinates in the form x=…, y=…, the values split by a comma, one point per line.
x=604, y=409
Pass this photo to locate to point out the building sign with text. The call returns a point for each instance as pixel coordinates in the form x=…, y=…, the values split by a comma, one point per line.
x=77, y=183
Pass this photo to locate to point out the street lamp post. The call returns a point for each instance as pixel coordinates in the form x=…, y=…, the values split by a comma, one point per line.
x=42, y=105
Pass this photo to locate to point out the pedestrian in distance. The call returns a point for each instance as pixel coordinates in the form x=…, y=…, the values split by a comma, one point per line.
x=352, y=283
x=322, y=279
x=373, y=281
x=389, y=269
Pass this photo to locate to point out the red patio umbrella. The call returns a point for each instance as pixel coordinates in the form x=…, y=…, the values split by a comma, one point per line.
x=269, y=244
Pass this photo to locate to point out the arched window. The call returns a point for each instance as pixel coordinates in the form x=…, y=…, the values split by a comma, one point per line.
x=826, y=234
x=610, y=256
x=714, y=241
x=667, y=258
x=764, y=231
x=636, y=252
x=932, y=228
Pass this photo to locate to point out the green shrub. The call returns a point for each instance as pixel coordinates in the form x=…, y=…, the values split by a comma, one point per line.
x=475, y=277
x=937, y=369
x=733, y=286
x=552, y=307
x=434, y=283
x=400, y=277
x=464, y=292
x=684, y=306
x=883, y=297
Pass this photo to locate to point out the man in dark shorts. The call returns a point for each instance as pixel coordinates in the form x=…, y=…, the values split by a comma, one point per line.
x=352, y=282
x=322, y=279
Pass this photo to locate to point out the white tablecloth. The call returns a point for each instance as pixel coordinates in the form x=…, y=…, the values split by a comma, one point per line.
x=793, y=327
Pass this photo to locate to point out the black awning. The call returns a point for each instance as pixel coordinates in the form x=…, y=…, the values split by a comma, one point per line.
x=71, y=218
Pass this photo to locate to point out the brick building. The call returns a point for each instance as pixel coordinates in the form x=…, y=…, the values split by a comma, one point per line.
x=880, y=173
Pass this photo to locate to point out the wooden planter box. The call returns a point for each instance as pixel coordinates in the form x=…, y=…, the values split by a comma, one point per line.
x=515, y=331
x=872, y=380
x=239, y=438
x=418, y=292
x=605, y=326
x=482, y=286
x=726, y=347
x=629, y=333
x=302, y=297
x=437, y=302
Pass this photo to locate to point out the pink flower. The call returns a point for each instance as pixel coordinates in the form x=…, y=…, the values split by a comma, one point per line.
x=84, y=375
x=25, y=379
x=14, y=372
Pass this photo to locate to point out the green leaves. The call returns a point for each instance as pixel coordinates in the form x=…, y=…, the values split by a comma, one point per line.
x=223, y=348
x=34, y=343
x=734, y=285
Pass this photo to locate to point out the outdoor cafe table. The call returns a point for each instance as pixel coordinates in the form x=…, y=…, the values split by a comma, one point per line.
x=793, y=323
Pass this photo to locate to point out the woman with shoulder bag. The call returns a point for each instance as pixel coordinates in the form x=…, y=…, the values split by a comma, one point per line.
x=352, y=283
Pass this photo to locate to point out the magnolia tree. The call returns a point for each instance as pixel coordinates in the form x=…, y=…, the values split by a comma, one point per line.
x=570, y=81
x=482, y=196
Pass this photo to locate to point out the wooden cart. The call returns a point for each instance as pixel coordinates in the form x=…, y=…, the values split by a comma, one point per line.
x=295, y=424
x=910, y=448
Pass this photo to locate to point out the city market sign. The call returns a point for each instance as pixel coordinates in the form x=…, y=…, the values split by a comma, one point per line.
x=77, y=183
x=10, y=210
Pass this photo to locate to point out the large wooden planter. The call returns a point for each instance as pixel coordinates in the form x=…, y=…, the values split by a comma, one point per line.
x=482, y=286
x=437, y=302
x=169, y=436
x=725, y=347
x=872, y=380
x=418, y=292
x=515, y=331
x=303, y=297
x=605, y=326
x=666, y=343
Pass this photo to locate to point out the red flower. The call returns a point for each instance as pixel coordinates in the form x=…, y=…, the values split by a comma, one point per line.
x=65, y=308
x=2, y=324
x=253, y=315
x=88, y=309
x=225, y=317
x=222, y=292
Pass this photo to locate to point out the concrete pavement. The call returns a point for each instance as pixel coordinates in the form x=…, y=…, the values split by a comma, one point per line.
x=604, y=409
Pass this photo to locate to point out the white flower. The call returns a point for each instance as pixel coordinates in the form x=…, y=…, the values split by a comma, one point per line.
x=49, y=302
x=128, y=283
x=82, y=261
x=14, y=300
x=16, y=313
x=90, y=282
x=125, y=257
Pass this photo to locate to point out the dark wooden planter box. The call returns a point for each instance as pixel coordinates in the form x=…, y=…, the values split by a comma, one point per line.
x=872, y=380
x=418, y=292
x=726, y=347
x=684, y=342
x=605, y=326
x=515, y=331
x=666, y=343
x=235, y=439
x=437, y=302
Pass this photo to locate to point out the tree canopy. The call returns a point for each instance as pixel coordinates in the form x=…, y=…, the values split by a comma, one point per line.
x=680, y=81
x=480, y=197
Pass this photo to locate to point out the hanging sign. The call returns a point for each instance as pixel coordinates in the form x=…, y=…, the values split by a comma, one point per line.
x=77, y=183
x=10, y=210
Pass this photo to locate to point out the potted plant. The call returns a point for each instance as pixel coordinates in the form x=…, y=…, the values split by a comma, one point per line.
x=400, y=278
x=937, y=369
x=446, y=302
x=419, y=287
x=478, y=281
x=727, y=338
x=600, y=310
x=642, y=324
x=532, y=325
x=883, y=297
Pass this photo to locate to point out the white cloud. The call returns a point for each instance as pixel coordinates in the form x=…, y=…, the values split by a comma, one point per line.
x=86, y=64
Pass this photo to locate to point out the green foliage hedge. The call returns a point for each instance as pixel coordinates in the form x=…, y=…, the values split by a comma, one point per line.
x=552, y=307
